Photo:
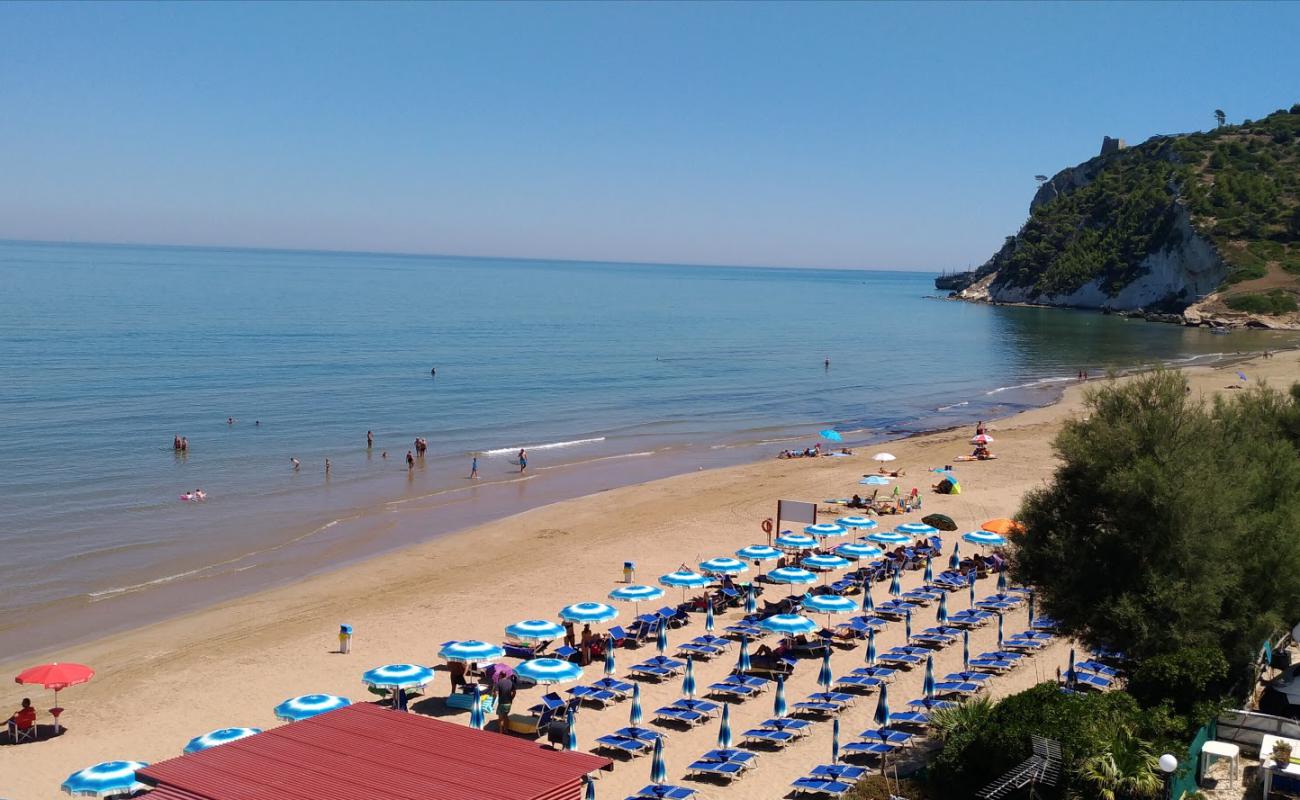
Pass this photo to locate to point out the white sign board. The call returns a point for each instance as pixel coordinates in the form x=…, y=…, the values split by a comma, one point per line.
x=796, y=511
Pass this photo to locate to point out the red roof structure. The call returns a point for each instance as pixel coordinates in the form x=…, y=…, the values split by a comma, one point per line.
x=364, y=752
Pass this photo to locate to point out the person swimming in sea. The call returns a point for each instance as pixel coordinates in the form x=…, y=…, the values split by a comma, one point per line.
x=296, y=463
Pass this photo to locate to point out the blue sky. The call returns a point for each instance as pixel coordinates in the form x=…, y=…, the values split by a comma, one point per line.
x=885, y=135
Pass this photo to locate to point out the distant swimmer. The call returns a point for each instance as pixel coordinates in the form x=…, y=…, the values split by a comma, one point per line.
x=176, y=442
x=370, y=440
x=257, y=423
x=230, y=420
x=185, y=444
x=827, y=363
x=296, y=463
x=433, y=371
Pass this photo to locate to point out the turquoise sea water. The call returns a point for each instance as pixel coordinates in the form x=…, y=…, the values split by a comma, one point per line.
x=607, y=373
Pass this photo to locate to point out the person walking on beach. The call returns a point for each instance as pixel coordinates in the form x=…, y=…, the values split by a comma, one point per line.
x=504, y=688
x=410, y=461
x=370, y=440
x=473, y=469
x=523, y=459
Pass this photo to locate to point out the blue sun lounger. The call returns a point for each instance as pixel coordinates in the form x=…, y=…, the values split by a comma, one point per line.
x=769, y=736
x=623, y=744
x=838, y=772
x=651, y=671
x=731, y=689
x=869, y=748
x=906, y=659
x=821, y=787
x=726, y=770
x=620, y=688
x=930, y=704
x=915, y=718
x=1090, y=681
x=885, y=736
x=678, y=714
x=1097, y=667
x=590, y=694
x=886, y=673
x=858, y=683
x=663, y=792
x=972, y=677
x=963, y=688
x=701, y=651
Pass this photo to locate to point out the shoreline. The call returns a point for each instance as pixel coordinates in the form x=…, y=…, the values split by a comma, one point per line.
x=235, y=660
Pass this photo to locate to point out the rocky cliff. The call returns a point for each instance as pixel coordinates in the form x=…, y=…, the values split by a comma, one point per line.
x=1205, y=226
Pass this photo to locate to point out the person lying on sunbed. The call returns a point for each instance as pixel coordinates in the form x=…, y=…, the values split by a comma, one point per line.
x=894, y=473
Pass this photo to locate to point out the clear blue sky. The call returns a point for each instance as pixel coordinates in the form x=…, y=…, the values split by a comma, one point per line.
x=883, y=135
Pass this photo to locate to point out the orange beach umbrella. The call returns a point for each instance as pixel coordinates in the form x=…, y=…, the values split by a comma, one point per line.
x=1003, y=526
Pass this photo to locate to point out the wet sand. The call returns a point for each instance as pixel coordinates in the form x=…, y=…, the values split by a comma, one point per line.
x=230, y=664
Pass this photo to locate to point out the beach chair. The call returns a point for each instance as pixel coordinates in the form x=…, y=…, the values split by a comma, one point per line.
x=917, y=597
x=663, y=792
x=770, y=736
x=928, y=704
x=961, y=688
x=1096, y=667
x=901, y=659
x=838, y=772
x=918, y=719
x=885, y=736
x=745, y=629
x=818, y=786
x=549, y=702
x=824, y=703
x=590, y=694
x=732, y=755
x=970, y=677
x=858, y=683
x=29, y=734
x=869, y=748
x=884, y=673
x=727, y=688
x=639, y=733
x=622, y=744
x=725, y=770
x=620, y=688
x=992, y=665
x=525, y=650
x=937, y=640
x=1088, y=680
x=673, y=617
x=684, y=716
x=700, y=651
x=1013, y=643
x=809, y=647
x=651, y=671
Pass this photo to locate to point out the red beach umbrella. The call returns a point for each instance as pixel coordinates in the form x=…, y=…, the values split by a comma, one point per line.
x=56, y=676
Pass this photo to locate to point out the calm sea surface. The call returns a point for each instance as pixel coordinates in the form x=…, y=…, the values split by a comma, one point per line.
x=607, y=373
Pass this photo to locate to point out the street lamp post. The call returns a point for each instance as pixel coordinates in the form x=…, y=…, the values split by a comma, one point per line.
x=1168, y=763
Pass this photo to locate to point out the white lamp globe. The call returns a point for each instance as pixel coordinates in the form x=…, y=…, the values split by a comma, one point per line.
x=1168, y=763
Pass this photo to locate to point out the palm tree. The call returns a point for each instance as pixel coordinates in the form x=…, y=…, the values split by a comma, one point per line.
x=1220, y=117
x=1126, y=771
x=966, y=716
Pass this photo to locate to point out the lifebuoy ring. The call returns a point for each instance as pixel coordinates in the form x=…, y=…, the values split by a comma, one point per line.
x=767, y=526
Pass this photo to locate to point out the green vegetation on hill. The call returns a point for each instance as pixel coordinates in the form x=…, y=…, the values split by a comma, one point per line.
x=1240, y=183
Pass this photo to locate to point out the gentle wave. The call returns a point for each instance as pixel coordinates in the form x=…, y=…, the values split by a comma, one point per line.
x=954, y=405
x=500, y=451
x=568, y=464
x=1032, y=384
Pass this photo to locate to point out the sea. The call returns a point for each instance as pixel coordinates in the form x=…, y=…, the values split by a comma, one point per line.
x=606, y=373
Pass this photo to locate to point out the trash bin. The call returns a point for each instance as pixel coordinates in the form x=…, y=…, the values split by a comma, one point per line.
x=629, y=571
x=345, y=638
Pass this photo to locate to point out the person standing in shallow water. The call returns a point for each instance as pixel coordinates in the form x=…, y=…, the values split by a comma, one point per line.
x=370, y=440
x=410, y=461
x=523, y=460
x=473, y=469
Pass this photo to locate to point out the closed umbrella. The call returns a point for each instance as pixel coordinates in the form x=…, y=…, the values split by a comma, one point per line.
x=971, y=588
x=751, y=601
x=928, y=686
x=219, y=737
x=1031, y=609
x=588, y=612
x=965, y=651
x=778, y=702
x=824, y=677
x=661, y=639
x=999, y=631
x=471, y=650
x=658, y=771
x=1002, y=582
x=308, y=705
x=609, y=658
x=105, y=779
x=928, y=577
x=835, y=742
x=549, y=670
x=476, y=717
x=572, y=742
x=634, y=713
x=534, y=630
x=942, y=615
x=724, y=729
x=591, y=788
x=743, y=666
x=954, y=560
x=896, y=584
x=871, y=648
x=723, y=565
x=882, y=706
x=708, y=618
x=868, y=603
x=1069, y=672
x=688, y=679
x=907, y=626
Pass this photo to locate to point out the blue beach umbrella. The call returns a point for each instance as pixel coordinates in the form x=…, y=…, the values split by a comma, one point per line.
x=888, y=537
x=821, y=562
x=751, y=601
x=907, y=626
x=684, y=579
x=788, y=624
x=708, y=618
x=634, y=713
x=999, y=631
x=871, y=648
x=658, y=772
x=219, y=737
x=609, y=659
x=688, y=680
x=572, y=743
x=591, y=788
x=928, y=686
x=476, y=716
x=861, y=523
x=1002, y=582
x=916, y=529
x=824, y=676
x=636, y=593
x=588, y=612
x=858, y=551
x=829, y=604
x=942, y=615
x=105, y=779
x=1069, y=672
x=896, y=584
x=778, y=702
x=835, y=742
x=661, y=639
x=824, y=529
x=549, y=670
x=534, y=630
x=954, y=560
x=928, y=577
x=791, y=576
x=985, y=538
x=868, y=602
x=796, y=541
x=965, y=651
x=397, y=676
x=471, y=650
x=882, y=706
x=743, y=665
x=831, y=435
x=308, y=705
x=758, y=552
x=724, y=729
x=724, y=565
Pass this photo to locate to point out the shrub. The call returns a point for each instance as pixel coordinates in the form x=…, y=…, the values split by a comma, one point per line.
x=1275, y=302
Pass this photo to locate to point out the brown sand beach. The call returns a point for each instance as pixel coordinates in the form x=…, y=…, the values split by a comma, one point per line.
x=229, y=665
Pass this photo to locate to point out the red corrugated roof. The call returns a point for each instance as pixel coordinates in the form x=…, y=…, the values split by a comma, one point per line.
x=364, y=752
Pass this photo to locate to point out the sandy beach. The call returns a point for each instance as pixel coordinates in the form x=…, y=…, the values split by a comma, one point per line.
x=229, y=665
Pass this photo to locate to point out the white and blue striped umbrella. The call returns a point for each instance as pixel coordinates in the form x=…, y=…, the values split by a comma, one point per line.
x=549, y=670
x=477, y=719
x=965, y=651
x=835, y=742
x=724, y=728
x=971, y=589
x=105, y=779
x=861, y=523
x=688, y=679
x=1002, y=582
x=778, y=702
x=954, y=560
x=758, y=552
x=634, y=713
x=882, y=706
x=588, y=612
x=535, y=630
x=397, y=676
x=868, y=602
x=829, y=604
x=222, y=736
x=889, y=537
x=591, y=788
x=858, y=551
x=928, y=686
x=941, y=616
x=471, y=650
x=820, y=562
x=308, y=705
x=609, y=658
x=661, y=639
x=824, y=529
x=724, y=565
x=796, y=541
x=896, y=584
x=572, y=743
x=789, y=624
x=985, y=538
x=999, y=631
x=916, y=529
x=636, y=593
x=684, y=579
x=928, y=577
x=743, y=664
x=824, y=676
x=751, y=601
x=708, y=618
x=658, y=771
x=907, y=626
x=871, y=648
x=791, y=575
